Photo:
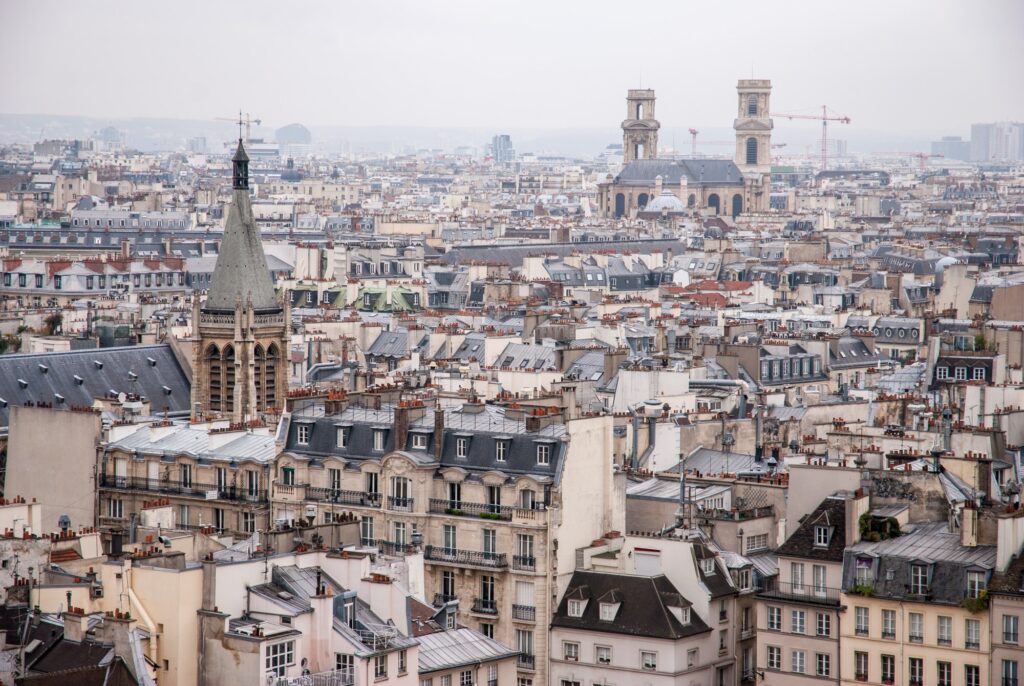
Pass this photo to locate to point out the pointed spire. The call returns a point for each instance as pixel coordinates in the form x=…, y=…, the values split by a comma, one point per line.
x=240, y=169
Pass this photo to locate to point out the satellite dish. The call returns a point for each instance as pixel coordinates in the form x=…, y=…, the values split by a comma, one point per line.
x=121, y=397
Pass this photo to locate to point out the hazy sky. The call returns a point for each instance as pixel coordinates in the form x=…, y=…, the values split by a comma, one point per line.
x=891, y=65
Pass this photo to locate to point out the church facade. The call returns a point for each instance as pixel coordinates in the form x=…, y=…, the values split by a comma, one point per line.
x=728, y=187
x=239, y=366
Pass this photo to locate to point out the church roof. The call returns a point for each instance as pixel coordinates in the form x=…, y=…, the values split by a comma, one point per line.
x=697, y=172
x=241, y=270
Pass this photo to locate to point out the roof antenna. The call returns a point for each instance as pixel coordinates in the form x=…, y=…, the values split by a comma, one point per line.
x=239, y=124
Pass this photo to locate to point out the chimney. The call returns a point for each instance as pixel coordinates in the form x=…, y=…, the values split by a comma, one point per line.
x=969, y=525
x=76, y=625
x=209, y=582
x=855, y=507
x=438, y=432
x=401, y=425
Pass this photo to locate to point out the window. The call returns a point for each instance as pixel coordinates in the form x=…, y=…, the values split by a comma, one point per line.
x=1010, y=673
x=344, y=663
x=861, y=621
x=774, y=657
x=799, y=660
x=972, y=675
x=944, y=672
x=500, y=450
x=824, y=624
x=115, y=508
x=889, y=624
x=707, y=565
x=380, y=666
x=490, y=543
x=448, y=584
x=916, y=630
x=399, y=537
x=419, y=441
x=461, y=447
x=692, y=656
x=976, y=584
x=372, y=483
x=757, y=543
x=341, y=437
x=183, y=518
x=302, y=432
x=603, y=655
x=402, y=658
x=751, y=151
x=1011, y=625
x=978, y=373
x=972, y=639
x=796, y=577
x=797, y=622
x=543, y=454
x=575, y=608
x=961, y=373
x=378, y=440
x=288, y=476
x=945, y=631
x=918, y=579
x=648, y=660
x=571, y=651
x=865, y=572
x=186, y=476
x=334, y=479
x=466, y=678
x=818, y=576
x=821, y=535
x=752, y=105
x=249, y=522
x=608, y=611
x=860, y=664
x=280, y=656
x=916, y=670
x=823, y=663
x=888, y=668
x=774, y=618
x=366, y=530
x=450, y=539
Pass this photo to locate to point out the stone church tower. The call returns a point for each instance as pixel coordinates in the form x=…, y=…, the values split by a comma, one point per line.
x=239, y=369
x=753, y=126
x=640, y=128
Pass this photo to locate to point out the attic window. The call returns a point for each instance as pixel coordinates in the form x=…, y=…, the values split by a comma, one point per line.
x=822, y=535
x=707, y=565
x=576, y=608
x=608, y=611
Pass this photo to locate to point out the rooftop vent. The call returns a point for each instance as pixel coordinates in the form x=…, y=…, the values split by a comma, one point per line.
x=79, y=380
x=58, y=398
x=167, y=390
x=98, y=364
x=133, y=376
x=43, y=368
x=23, y=383
x=152, y=362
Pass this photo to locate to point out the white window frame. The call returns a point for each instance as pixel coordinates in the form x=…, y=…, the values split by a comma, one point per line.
x=649, y=660
x=303, y=433
x=543, y=454
x=279, y=657
x=774, y=618
x=798, y=622
x=774, y=655
x=798, y=661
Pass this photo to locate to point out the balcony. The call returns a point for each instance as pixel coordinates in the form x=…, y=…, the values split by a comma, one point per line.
x=947, y=642
x=536, y=515
x=972, y=645
x=802, y=593
x=736, y=515
x=113, y=521
x=461, y=508
x=484, y=606
x=183, y=488
x=526, y=662
x=861, y=677
x=466, y=557
x=338, y=677
x=389, y=548
x=524, y=563
x=889, y=635
x=1010, y=638
x=861, y=631
x=443, y=598
x=524, y=613
x=342, y=497
x=1009, y=681
x=399, y=504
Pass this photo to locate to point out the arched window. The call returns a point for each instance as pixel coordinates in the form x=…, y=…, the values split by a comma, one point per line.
x=639, y=110
x=259, y=375
x=620, y=204
x=641, y=201
x=638, y=151
x=228, y=402
x=714, y=202
x=737, y=205
x=216, y=378
x=752, y=105
x=751, y=151
x=691, y=201
x=270, y=392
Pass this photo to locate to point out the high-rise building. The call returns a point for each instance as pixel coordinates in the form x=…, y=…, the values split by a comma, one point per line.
x=998, y=142
x=502, y=150
x=952, y=148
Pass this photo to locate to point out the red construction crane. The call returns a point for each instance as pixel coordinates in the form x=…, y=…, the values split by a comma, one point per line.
x=921, y=156
x=825, y=117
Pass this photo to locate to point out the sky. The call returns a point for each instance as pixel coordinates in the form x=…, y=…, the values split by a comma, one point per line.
x=892, y=65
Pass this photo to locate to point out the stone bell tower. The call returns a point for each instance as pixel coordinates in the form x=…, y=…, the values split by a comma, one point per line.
x=640, y=128
x=753, y=126
x=239, y=368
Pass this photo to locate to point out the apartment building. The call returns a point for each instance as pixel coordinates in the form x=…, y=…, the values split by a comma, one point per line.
x=482, y=489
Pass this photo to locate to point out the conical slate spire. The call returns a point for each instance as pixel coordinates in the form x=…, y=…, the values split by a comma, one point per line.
x=241, y=273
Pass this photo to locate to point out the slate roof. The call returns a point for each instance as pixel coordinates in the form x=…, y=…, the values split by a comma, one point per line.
x=458, y=648
x=241, y=271
x=830, y=513
x=80, y=376
x=697, y=172
x=643, y=609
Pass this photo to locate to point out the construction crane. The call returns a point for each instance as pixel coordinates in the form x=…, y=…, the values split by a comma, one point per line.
x=921, y=156
x=825, y=117
x=242, y=120
x=693, y=142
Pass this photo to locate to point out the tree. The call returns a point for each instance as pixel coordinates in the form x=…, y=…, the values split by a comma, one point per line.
x=53, y=323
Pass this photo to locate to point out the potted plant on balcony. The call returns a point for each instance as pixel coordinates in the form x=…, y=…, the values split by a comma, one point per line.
x=975, y=605
x=866, y=590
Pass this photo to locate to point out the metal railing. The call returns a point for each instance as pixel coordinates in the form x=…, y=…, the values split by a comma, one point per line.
x=399, y=504
x=342, y=497
x=387, y=547
x=186, y=488
x=338, y=677
x=736, y=515
x=526, y=563
x=525, y=613
x=526, y=662
x=805, y=593
x=486, y=606
x=462, y=508
x=443, y=598
x=466, y=557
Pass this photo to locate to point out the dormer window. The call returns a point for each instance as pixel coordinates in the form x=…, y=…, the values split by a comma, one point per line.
x=341, y=438
x=822, y=536
x=501, y=451
x=378, y=440
x=461, y=448
x=977, y=583
x=575, y=608
x=544, y=454
x=918, y=579
x=302, y=434
x=419, y=441
x=707, y=565
x=681, y=613
x=608, y=611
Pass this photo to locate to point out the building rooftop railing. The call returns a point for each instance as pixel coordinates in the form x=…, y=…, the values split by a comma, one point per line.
x=802, y=593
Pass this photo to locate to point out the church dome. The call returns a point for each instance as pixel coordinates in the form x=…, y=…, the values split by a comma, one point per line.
x=665, y=202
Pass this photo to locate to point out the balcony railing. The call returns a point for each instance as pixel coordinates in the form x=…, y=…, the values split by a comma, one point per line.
x=1009, y=681
x=804, y=593
x=435, y=553
x=342, y=497
x=736, y=515
x=1010, y=638
x=972, y=645
x=443, y=598
x=485, y=606
x=389, y=547
x=339, y=677
x=526, y=662
x=462, y=508
x=186, y=488
x=399, y=504
x=889, y=635
x=525, y=563
x=524, y=613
